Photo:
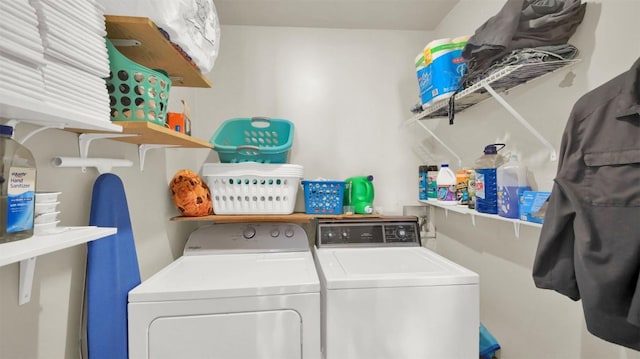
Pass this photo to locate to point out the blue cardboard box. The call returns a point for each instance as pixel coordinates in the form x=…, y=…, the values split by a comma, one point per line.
x=530, y=204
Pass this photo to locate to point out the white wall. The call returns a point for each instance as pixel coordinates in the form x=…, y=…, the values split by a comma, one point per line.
x=348, y=93
x=530, y=322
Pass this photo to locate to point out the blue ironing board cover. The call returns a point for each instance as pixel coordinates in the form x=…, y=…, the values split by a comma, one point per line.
x=112, y=271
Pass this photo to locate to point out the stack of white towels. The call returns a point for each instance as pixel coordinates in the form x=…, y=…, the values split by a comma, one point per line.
x=21, y=51
x=75, y=53
x=54, y=51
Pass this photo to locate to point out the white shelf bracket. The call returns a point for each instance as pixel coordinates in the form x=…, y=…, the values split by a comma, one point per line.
x=431, y=227
x=473, y=219
x=516, y=229
x=521, y=119
x=125, y=42
x=142, y=152
x=440, y=142
x=14, y=123
x=84, y=140
x=27, y=271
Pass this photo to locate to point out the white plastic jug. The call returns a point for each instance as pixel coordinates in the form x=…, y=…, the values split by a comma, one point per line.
x=512, y=182
x=446, y=182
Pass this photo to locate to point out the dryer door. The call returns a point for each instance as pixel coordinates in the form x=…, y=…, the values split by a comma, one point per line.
x=259, y=334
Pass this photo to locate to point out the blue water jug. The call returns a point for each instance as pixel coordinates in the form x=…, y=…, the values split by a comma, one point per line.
x=486, y=179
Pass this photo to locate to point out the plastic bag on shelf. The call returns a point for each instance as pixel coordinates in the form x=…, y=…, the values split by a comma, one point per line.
x=191, y=24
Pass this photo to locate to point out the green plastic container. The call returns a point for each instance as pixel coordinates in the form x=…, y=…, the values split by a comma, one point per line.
x=359, y=193
x=136, y=93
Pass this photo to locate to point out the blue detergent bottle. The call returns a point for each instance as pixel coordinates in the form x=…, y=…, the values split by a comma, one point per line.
x=486, y=178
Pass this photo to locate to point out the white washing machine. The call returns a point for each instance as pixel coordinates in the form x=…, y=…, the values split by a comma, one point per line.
x=386, y=297
x=240, y=291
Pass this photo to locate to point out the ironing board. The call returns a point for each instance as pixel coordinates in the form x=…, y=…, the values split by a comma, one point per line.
x=112, y=271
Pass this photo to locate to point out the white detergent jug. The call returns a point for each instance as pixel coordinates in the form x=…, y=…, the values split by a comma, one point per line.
x=446, y=182
x=511, y=179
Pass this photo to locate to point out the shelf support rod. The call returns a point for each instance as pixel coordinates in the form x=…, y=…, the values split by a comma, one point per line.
x=27, y=270
x=521, y=119
x=516, y=228
x=440, y=142
x=142, y=151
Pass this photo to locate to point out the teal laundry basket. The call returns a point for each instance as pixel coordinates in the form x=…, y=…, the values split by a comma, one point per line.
x=256, y=139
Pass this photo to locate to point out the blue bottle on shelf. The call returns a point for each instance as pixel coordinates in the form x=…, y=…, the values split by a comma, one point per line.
x=486, y=179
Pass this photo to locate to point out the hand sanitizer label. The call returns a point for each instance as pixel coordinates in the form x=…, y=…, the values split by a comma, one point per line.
x=20, y=199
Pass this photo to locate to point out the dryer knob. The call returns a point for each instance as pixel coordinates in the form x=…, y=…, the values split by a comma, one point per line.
x=275, y=232
x=249, y=233
x=288, y=233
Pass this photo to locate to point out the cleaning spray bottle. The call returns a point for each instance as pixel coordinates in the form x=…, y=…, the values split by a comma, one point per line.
x=358, y=192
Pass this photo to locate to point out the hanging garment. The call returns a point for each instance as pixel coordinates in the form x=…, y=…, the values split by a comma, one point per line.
x=521, y=24
x=112, y=271
x=589, y=246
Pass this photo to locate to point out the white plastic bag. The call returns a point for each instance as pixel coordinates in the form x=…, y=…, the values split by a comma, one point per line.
x=191, y=24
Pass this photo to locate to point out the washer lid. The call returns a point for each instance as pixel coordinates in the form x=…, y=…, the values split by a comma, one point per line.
x=389, y=267
x=230, y=275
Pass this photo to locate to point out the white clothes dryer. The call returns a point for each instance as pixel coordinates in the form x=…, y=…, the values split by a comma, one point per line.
x=386, y=297
x=240, y=291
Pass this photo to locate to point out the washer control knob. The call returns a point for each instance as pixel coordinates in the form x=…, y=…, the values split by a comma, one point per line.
x=275, y=232
x=288, y=232
x=401, y=233
x=249, y=233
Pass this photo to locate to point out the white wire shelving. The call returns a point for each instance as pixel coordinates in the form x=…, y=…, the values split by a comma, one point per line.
x=501, y=80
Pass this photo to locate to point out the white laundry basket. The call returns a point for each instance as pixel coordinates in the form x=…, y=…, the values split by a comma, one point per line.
x=253, y=188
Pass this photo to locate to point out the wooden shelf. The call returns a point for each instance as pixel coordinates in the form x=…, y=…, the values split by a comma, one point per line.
x=151, y=133
x=155, y=51
x=295, y=217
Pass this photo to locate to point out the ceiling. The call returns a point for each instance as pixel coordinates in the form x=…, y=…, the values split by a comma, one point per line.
x=345, y=14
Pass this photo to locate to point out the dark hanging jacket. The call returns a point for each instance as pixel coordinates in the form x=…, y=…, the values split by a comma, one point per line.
x=589, y=246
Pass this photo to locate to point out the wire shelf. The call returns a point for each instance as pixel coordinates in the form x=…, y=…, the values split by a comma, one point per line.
x=501, y=80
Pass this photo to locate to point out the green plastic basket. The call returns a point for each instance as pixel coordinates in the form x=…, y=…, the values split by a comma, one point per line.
x=136, y=93
x=256, y=139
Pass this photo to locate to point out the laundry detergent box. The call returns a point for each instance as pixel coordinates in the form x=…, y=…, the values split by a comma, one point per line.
x=532, y=206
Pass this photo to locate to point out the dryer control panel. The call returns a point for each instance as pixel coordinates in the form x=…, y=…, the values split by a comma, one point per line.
x=374, y=232
x=247, y=238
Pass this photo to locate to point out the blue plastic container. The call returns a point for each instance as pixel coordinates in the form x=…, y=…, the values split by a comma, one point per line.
x=323, y=197
x=257, y=139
